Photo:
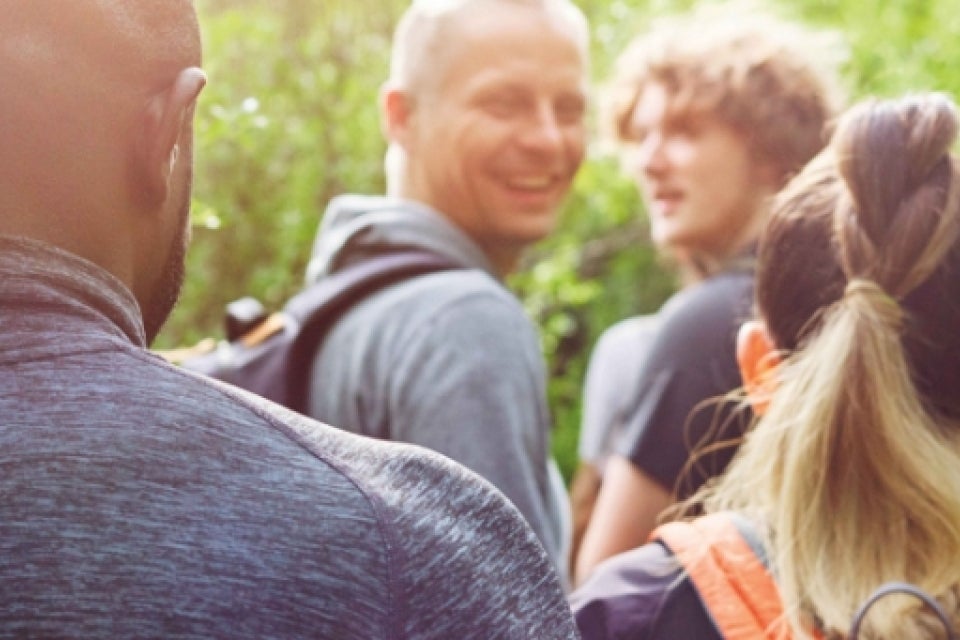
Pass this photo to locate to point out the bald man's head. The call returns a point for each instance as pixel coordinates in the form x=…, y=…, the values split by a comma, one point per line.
x=135, y=41
x=85, y=64
x=95, y=135
x=429, y=27
x=86, y=57
x=484, y=112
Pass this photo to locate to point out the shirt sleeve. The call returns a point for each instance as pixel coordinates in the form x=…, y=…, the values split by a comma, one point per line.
x=678, y=408
x=460, y=560
x=610, y=380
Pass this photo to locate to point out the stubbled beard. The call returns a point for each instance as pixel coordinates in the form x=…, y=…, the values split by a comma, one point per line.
x=167, y=290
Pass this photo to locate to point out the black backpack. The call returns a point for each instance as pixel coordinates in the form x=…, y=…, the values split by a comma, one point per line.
x=271, y=354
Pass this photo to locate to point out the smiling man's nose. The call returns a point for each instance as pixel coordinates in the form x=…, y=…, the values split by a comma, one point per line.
x=544, y=131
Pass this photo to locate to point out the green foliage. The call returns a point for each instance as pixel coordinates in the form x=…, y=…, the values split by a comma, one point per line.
x=597, y=269
x=289, y=120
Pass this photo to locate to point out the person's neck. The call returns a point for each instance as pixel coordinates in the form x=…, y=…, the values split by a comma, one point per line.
x=707, y=264
x=739, y=245
x=504, y=261
x=504, y=258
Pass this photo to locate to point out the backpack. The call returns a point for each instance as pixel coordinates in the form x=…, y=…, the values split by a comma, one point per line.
x=271, y=354
x=726, y=564
x=730, y=575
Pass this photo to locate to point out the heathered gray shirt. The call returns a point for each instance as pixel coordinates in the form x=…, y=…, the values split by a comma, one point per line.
x=449, y=360
x=137, y=500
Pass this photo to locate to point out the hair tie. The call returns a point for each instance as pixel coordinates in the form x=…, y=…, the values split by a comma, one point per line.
x=886, y=306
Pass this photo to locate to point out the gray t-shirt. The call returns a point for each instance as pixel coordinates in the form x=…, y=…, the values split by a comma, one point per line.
x=610, y=387
x=448, y=361
x=139, y=500
x=680, y=430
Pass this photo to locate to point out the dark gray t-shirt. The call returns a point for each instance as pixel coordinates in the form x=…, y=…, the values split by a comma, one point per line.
x=677, y=415
x=141, y=501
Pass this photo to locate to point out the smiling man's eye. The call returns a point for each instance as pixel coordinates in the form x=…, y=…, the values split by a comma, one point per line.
x=504, y=104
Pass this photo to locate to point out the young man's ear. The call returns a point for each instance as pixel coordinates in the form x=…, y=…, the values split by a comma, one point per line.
x=759, y=362
x=165, y=117
x=396, y=112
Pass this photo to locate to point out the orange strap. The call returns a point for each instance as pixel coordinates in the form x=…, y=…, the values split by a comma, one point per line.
x=732, y=582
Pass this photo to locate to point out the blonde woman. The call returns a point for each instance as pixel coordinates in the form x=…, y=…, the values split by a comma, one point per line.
x=851, y=477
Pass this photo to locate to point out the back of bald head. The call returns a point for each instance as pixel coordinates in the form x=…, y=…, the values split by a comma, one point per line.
x=75, y=76
x=97, y=101
x=59, y=56
x=428, y=28
x=140, y=43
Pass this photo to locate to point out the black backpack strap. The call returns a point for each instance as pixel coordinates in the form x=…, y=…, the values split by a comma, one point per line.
x=317, y=308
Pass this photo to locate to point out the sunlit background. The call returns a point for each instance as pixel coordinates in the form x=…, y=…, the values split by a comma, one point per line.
x=289, y=120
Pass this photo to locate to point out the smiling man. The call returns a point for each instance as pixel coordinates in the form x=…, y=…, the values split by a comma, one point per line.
x=484, y=115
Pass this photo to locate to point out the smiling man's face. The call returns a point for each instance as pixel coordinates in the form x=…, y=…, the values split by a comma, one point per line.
x=497, y=134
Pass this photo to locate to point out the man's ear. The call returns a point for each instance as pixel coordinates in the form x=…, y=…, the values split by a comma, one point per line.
x=759, y=362
x=165, y=117
x=396, y=113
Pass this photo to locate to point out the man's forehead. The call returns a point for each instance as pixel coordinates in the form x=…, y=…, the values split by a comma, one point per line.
x=560, y=15
x=492, y=47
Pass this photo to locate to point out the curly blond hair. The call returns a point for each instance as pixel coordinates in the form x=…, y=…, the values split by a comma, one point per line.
x=756, y=73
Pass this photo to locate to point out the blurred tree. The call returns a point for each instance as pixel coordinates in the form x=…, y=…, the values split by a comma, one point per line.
x=290, y=120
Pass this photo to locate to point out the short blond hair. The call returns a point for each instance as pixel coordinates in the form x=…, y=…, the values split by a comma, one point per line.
x=418, y=40
x=753, y=71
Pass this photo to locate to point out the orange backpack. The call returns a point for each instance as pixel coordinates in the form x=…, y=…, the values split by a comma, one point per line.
x=732, y=581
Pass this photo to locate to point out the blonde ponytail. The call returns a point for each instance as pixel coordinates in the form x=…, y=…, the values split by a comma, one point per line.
x=853, y=477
